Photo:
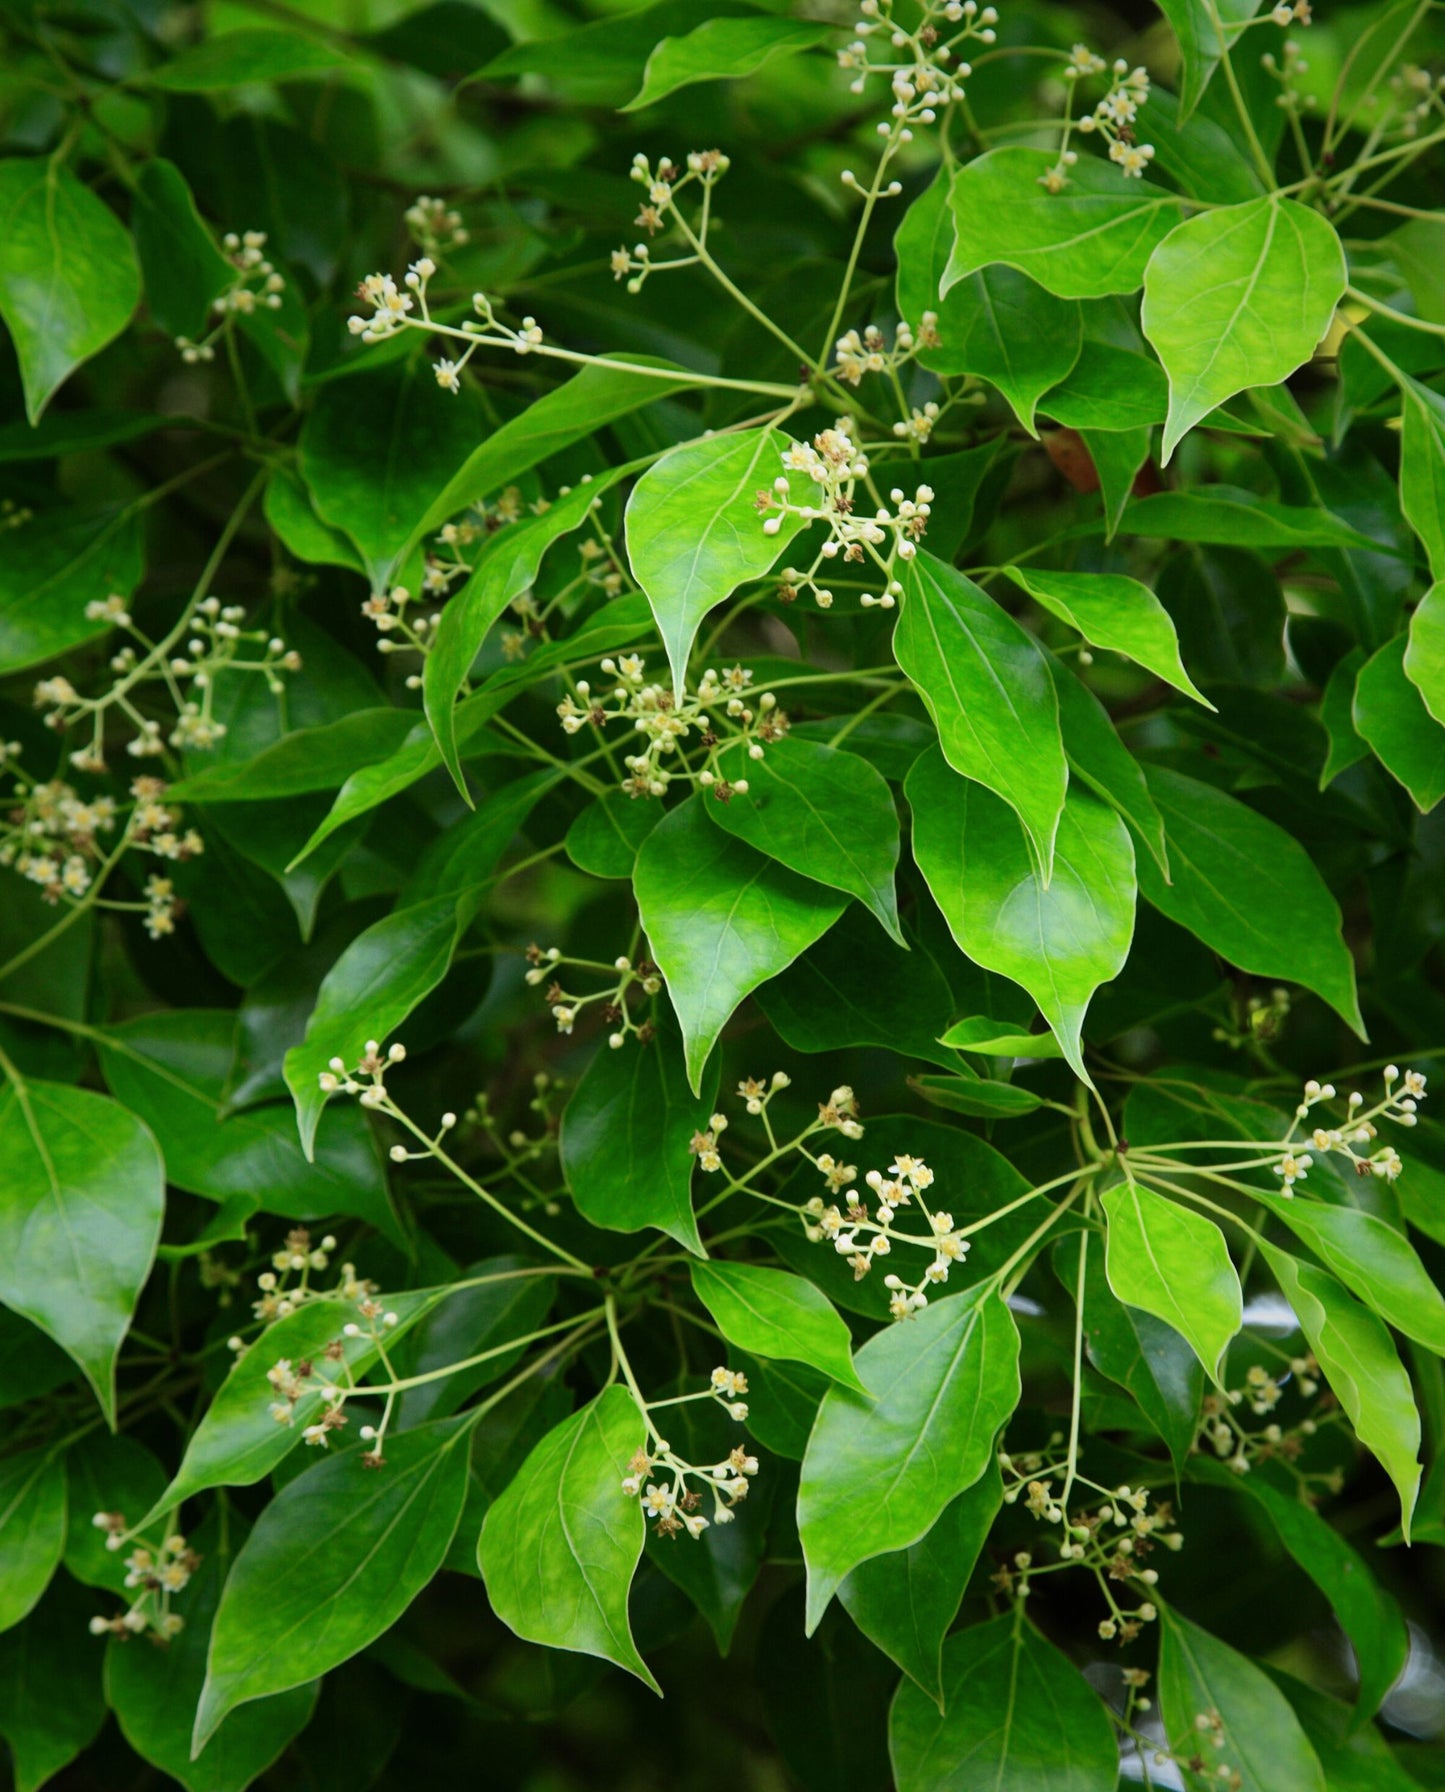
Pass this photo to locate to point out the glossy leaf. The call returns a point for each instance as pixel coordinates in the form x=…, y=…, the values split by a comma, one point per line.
x=559, y=1548
x=1425, y=653
x=1390, y=712
x=498, y=1300
x=880, y=1469
x=1203, y=28
x=718, y=50
x=32, y=1529
x=80, y=1217
x=1060, y=941
x=1422, y=469
x=1016, y=1714
x=1171, y=1262
x=820, y=811
x=1101, y=761
x=1237, y=297
x=1114, y=612
x=1233, y=872
x=1092, y=239
x=720, y=919
x=333, y=1561
x=694, y=533
x=62, y=561
x=987, y=686
x=184, y=270
x=69, y=279
x=770, y=1313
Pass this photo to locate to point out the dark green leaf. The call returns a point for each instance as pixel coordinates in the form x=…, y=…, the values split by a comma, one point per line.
x=32, y=1529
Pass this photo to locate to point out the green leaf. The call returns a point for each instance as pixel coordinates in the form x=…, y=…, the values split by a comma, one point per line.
x=625, y=1135
x=984, y=1098
x=1366, y=1613
x=1060, y=941
x=987, y=686
x=238, y=1441
x=334, y=1560
x=1422, y=468
x=559, y=1548
x=154, y=1691
x=69, y=279
x=54, y=565
x=1173, y=1263
x=1234, y=873
x=1355, y=1759
x=51, y=1706
x=997, y=324
x=880, y=1469
x=1104, y=763
x=820, y=811
x=1337, y=717
x=1230, y=612
x=32, y=1529
x=370, y=990
x=107, y=1472
x=80, y=1217
x=905, y=1602
x=1359, y=1360
x=497, y=1300
x=1110, y=389
x=172, y=1070
x=1238, y=297
x=981, y=1033
x=1263, y=1742
x=773, y=1314
x=607, y=836
x=1116, y=613
x=373, y=453
x=1203, y=30
x=1092, y=239
x=241, y=58
x=305, y=760
x=506, y=567
x=1425, y=654
x=1016, y=1714
x=1390, y=713
x=1237, y=518
x=720, y=919
x=183, y=269
x=721, y=50
x=694, y=533
x=1203, y=156
x=289, y=511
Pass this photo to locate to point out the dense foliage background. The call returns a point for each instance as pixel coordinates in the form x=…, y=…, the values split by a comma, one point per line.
x=720, y=908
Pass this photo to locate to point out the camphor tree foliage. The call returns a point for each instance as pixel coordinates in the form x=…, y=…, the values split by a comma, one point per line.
x=720, y=915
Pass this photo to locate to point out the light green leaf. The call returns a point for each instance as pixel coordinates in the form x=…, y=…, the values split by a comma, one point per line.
x=1390, y=713
x=1016, y=1715
x=1109, y=389
x=905, y=1602
x=1359, y=1361
x=559, y=1548
x=1113, y=612
x=694, y=533
x=1425, y=653
x=1104, y=763
x=1092, y=239
x=289, y=511
x=721, y=50
x=981, y=1033
x=32, y=1529
x=1422, y=469
x=80, y=1217
x=1263, y=1741
x=987, y=686
x=334, y=1561
x=625, y=1135
x=984, y=1097
x=54, y=565
x=773, y=1314
x=720, y=920
x=1238, y=297
x=303, y=761
x=880, y=1469
x=69, y=279
x=1060, y=941
x=1203, y=28
x=1234, y=873
x=820, y=811
x=241, y=58
x=1119, y=456
x=1238, y=518
x=1203, y=156
x=997, y=324
x=1173, y=1263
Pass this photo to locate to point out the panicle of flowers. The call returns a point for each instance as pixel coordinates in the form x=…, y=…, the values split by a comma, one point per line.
x=1114, y=117
x=867, y=351
x=154, y=1574
x=1416, y=96
x=722, y=713
x=624, y=978
x=1356, y=1132
x=920, y=60
x=662, y=183
x=863, y=1234
x=515, y=1146
x=255, y=286
x=394, y=308
x=673, y=1491
x=1261, y=1392
x=1288, y=72
x=832, y=465
x=435, y=226
x=402, y=629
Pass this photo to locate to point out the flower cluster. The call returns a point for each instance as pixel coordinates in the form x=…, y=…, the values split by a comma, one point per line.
x=668, y=1498
x=862, y=1234
x=1358, y=1128
x=1418, y=97
x=395, y=307
x=154, y=1573
x=833, y=465
x=1113, y=118
x=254, y=286
x=435, y=226
x=921, y=62
x=661, y=184
x=868, y=352
x=722, y=712
x=1262, y=1391
x=624, y=977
